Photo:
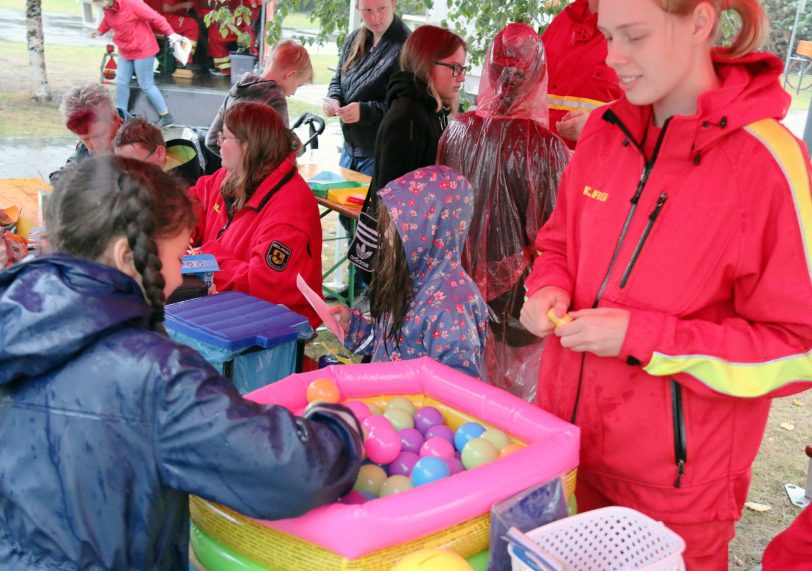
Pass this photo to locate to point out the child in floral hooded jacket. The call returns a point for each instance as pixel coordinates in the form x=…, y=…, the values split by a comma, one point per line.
x=422, y=303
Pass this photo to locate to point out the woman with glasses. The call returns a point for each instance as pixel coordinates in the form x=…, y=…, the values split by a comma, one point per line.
x=421, y=97
x=259, y=218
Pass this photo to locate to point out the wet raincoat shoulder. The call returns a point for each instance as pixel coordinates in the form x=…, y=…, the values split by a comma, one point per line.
x=106, y=426
x=431, y=209
x=707, y=244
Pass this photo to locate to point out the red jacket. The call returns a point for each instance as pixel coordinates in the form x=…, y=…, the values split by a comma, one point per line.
x=576, y=54
x=791, y=550
x=719, y=293
x=267, y=242
x=132, y=23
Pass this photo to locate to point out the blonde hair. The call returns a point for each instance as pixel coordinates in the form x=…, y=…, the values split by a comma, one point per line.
x=755, y=26
x=290, y=55
x=422, y=49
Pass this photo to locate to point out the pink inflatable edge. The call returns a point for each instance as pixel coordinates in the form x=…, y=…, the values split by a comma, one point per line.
x=355, y=530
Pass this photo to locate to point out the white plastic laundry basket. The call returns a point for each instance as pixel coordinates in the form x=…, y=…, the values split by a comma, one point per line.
x=609, y=539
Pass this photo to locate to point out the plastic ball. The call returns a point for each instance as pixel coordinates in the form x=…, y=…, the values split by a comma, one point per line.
x=403, y=464
x=497, y=437
x=374, y=408
x=454, y=465
x=382, y=445
x=374, y=422
x=370, y=478
x=427, y=417
x=395, y=485
x=477, y=452
x=353, y=497
x=401, y=403
x=437, y=447
x=323, y=390
x=440, y=431
x=510, y=449
x=411, y=439
x=466, y=432
x=428, y=469
x=433, y=560
x=359, y=409
x=399, y=418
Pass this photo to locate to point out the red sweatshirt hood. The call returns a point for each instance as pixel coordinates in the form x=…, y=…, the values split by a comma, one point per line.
x=750, y=90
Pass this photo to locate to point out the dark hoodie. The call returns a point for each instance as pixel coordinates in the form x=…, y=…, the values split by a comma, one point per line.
x=106, y=426
x=408, y=135
x=250, y=88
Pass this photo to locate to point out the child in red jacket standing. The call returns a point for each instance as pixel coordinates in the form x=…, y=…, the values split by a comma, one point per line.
x=680, y=245
x=132, y=23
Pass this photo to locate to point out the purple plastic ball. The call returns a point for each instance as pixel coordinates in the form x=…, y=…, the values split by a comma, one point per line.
x=427, y=417
x=454, y=465
x=440, y=431
x=403, y=464
x=411, y=440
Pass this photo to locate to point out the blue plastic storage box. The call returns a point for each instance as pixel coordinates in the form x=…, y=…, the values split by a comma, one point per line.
x=249, y=340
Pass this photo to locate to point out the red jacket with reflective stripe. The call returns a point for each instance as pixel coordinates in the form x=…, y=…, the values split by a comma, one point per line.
x=268, y=241
x=576, y=64
x=132, y=23
x=719, y=293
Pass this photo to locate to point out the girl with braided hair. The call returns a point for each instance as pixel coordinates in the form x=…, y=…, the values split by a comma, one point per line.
x=106, y=425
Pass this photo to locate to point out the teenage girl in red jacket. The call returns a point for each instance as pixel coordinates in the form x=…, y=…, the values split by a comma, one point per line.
x=681, y=244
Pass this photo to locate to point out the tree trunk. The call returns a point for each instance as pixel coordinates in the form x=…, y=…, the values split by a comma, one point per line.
x=36, y=49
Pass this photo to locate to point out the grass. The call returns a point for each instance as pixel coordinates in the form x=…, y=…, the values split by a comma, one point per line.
x=298, y=21
x=323, y=67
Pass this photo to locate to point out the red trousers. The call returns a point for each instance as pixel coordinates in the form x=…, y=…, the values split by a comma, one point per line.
x=186, y=26
x=706, y=543
x=218, y=45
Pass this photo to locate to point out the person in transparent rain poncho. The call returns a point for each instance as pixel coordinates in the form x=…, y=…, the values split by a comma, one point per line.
x=513, y=161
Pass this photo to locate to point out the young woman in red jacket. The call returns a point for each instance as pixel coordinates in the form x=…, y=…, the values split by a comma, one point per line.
x=259, y=218
x=680, y=245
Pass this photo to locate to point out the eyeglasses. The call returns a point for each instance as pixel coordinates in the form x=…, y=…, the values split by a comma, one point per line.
x=222, y=137
x=456, y=69
x=152, y=152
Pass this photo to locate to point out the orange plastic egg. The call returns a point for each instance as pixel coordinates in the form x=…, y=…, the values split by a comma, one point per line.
x=323, y=390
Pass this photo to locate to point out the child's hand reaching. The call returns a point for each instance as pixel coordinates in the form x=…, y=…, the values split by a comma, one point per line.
x=342, y=315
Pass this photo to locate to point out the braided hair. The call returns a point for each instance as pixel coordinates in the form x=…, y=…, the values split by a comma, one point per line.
x=105, y=197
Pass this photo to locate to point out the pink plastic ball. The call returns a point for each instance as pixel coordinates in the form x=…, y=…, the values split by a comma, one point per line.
x=382, y=445
x=373, y=422
x=354, y=497
x=438, y=448
x=359, y=409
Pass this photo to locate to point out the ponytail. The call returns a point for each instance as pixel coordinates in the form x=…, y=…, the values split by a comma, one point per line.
x=755, y=26
x=357, y=49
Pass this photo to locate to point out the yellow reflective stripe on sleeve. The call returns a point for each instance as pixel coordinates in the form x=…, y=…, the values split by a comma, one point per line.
x=789, y=156
x=735, y=379
x=565, y=103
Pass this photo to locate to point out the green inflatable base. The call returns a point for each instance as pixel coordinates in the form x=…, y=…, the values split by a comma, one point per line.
x=215, y=556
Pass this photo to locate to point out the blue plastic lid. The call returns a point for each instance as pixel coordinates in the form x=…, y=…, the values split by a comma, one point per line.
x=198, y=264
x=235, y=321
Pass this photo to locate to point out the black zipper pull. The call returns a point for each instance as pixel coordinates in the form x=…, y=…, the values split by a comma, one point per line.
x=680, y=473
x=651, y=219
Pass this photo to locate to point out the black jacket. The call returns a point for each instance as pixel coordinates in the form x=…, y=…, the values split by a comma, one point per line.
x=366, y=83
x=409, y=133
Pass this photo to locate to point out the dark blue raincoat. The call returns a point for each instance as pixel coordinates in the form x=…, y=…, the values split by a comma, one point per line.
x=106, y=426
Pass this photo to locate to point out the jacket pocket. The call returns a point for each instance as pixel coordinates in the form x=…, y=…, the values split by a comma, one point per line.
x=680, y=441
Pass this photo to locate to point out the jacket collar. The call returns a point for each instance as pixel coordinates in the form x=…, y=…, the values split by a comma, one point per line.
x=258, y=199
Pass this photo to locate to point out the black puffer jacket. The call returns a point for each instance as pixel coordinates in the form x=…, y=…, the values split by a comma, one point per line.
x=409, y=133
x=366, y=83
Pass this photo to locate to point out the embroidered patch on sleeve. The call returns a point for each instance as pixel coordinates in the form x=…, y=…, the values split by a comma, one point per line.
x=277, y=256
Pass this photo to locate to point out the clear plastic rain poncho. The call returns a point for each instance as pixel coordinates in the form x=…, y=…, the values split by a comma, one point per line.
x=514, y=163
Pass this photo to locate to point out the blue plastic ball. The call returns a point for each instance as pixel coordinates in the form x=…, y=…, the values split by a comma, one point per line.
x=428, y=469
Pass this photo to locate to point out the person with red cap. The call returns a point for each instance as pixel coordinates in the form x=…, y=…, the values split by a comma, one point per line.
x=580, y=80
x=514, y=162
